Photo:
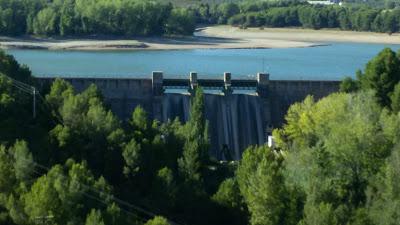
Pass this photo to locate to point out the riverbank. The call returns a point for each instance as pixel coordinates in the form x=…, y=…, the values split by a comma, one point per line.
x=215, y=37
x=301, y=35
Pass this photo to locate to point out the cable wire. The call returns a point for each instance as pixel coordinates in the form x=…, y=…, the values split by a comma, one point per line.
x=99, y=192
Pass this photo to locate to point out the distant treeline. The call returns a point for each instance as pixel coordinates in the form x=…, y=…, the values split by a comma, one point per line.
x=292, y=14
x=87, y=17
x=145, y=18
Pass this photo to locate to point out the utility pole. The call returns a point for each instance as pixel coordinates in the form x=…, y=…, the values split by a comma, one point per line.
x=28, y=89
x=34, y=102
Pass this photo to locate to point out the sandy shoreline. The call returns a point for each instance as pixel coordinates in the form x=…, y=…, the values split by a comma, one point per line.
x=301, y=35
x=217, y=37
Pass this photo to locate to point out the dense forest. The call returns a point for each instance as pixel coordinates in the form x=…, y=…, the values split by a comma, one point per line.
x=93, y=17
x=298, y=14
x=149, y=18
x=336, y=161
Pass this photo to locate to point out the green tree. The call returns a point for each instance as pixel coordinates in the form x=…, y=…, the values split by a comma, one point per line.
x=390, y=23
x=23, y=161
x=158, y=220
x=133, y=158
x=195, y=150
x=348, y=85
x=381, y=74
x=333, y=148
x=228, y=194
x=385, y=204
x=45, y=22
x=181, y=21
x=66, y=193
x=7, y=174
x=165, y=188
x=226, y=10
x=320, y=214
x=5, y=89
x=395, y=99
x=231, y=206
x=68, y=21
x=139, y=120
x=10, y=67
x=261, y=182
x=94, y=218
x=88, y=130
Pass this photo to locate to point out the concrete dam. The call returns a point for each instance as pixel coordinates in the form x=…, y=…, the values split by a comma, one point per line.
x=240, y=112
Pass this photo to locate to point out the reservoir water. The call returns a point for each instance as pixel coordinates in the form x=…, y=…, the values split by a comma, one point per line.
x=332, y=61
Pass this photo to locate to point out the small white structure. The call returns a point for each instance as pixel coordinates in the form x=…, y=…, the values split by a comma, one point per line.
x=271, y=141
x=328, y=2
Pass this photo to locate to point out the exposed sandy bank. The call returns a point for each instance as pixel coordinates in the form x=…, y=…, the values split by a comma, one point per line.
x=217, y=37
x=68, y=44
x=301, y=35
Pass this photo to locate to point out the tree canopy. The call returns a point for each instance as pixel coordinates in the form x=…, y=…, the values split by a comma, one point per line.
x=381, y=74
x=93, y=17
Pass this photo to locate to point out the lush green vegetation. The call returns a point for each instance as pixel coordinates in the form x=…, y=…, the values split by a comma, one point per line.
x=292, y=14
x=146, y=18
x=336, y=160
x=93, y=17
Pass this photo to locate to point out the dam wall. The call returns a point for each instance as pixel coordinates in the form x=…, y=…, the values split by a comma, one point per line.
x=283, y=93
x=240, y=112
x=235, y=121
x=122, y=95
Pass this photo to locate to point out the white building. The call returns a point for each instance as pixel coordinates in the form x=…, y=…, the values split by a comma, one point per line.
x=328, y=2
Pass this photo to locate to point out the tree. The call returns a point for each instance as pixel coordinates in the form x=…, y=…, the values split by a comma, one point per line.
x=320, y=214
x=23, y=161
x=261, y=182
x=181, y=21
x=133, y=157
x=381, y=74
x=165, y=188
x=67, y=194
x=139, y=120
x=348, y=85
x=390, y=23
x=43, y=199
x=45, y=22
x=16, y=106
x=226, y=10
x=395, y=99
x=94, y=218
x=228, y=194
x=195, y=150
x=88, y=131
x=333, y=148
x=68, y=24
x=231, y=206
x=10, y=67
x=158, y=220
x=7, y=175
x=385, y=204
x=5, y=89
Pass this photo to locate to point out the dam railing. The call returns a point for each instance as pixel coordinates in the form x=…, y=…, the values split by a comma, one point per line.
x=227, y=84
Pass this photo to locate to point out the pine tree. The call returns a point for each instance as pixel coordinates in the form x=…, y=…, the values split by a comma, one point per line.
x=195, y=150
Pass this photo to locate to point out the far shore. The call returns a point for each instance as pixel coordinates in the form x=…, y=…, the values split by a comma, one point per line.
x=213, y=37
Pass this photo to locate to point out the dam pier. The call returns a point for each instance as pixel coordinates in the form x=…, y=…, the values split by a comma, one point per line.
x=241, y=112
